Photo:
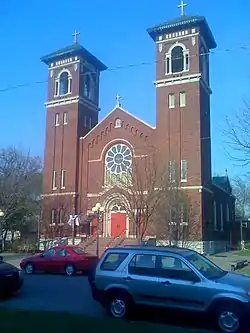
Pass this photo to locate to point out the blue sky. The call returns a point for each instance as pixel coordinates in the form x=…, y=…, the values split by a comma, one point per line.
x=115, y=31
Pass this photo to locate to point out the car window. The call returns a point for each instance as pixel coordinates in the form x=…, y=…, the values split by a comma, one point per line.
x=63, y=252
x=143, y=264
x=205, y=266
x=112, y=261
x=49, y=253
x=175, y=268
x=78, y=250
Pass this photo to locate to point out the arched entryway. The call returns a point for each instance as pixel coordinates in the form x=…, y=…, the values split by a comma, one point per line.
x=116, y=220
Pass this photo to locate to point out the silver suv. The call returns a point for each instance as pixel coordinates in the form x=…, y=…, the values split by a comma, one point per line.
x=170, y=277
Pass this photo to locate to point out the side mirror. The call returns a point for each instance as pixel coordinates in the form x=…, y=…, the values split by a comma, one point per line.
x=1, y=258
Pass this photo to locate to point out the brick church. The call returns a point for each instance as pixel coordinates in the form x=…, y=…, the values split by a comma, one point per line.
x=83, y=154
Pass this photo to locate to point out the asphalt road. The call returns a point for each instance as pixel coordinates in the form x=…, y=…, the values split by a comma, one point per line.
x=55, y=293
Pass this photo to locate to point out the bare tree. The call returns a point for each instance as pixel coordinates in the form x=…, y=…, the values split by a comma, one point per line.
x=241, y=189
x=56, y=213
x=238, y=136
x=140, y=189
x=20, y=189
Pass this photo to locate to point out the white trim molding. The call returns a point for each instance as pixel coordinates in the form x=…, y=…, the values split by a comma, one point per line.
x=177, y=80
x=179, y=38
x=57, y=194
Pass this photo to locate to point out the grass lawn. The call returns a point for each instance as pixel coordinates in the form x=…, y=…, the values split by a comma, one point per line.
x=245, y=270
x=51, y=322
x=244, y=253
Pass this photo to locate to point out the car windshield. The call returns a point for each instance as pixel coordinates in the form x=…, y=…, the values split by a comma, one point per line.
x=206, y=267
x=78, y=250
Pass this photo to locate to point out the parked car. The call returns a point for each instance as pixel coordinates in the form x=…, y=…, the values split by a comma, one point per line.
x=66, y=259
x=170, y=277
x=11, y=279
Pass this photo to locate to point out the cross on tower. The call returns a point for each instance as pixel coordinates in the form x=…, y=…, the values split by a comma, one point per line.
x=118, y=100
x=182, y=6
x=75, y=34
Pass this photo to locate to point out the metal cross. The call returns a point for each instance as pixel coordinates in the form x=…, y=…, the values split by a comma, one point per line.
x=75, y=34
x=182, y=6
x=118, y=100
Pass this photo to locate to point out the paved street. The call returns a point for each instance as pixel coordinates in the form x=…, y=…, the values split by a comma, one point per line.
x=55, y=293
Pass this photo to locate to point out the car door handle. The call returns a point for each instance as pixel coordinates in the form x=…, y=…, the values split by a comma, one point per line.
x=127, y=278
x=166, y=283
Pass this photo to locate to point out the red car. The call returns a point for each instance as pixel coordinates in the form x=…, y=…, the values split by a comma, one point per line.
x=66, y=259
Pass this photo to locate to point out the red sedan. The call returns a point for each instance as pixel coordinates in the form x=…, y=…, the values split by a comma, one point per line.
x=66, y=259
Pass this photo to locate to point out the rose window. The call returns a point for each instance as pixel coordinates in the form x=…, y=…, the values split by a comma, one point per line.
x=118, y=162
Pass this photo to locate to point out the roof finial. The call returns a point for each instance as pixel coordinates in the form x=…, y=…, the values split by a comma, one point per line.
x=226, y=172
x=182, y=6
x=75, y=34
x=118, y=100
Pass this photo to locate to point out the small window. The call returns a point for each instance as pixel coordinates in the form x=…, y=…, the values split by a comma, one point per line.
x=65, y=118
x=221, y=218
x=215, y=216
x=112, y=261
x=171, y=101
x=61, y=216
x=228, y=213
x=118, y=123
x=182, y=99
x=172, y=171
x=175, y=268
x=143, y=264
x=56, y=88
x=49, y=253
x=90, y=122
x=63, y=253
x=85, y=121
x=54, y=180
x=78, y=250
x=57, y=119
x=53, y=216
x=64, y=83
x=63, y=178
x=183, y=170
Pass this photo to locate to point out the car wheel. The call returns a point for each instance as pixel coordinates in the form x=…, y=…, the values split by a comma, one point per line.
x=29, y=268
x=231, y=318
x=70, y=270
x=119, y=305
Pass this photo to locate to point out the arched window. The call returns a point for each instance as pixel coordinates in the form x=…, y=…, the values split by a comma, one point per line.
x=177, y=60
x=63, y=83
x=118, y=123
x=118, y=165
x=87, y=86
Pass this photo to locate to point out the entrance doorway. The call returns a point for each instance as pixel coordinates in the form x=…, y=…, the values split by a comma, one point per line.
x=118, y=220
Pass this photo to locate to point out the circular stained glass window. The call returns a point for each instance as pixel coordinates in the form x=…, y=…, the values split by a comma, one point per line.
x=118, y=159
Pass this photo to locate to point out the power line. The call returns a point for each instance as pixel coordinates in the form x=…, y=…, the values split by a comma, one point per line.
x=120, y=67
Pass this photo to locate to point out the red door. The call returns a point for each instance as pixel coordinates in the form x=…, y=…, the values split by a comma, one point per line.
x=118, y=224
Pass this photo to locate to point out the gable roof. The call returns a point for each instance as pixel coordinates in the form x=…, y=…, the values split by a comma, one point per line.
x=222, y=182
x=118, y=108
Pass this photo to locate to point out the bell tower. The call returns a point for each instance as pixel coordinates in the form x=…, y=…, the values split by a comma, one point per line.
x=183, y=95
x=72, y=110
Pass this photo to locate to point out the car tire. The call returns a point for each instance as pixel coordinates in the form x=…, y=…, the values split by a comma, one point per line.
x=29, y=268
x=119, y=304
x=70, y=270
x=231, y=317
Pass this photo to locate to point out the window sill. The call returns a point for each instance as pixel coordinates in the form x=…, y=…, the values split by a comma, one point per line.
x=171, y=107
x=184, y=181
x=54, y=188
x=63, y=188
x=65, y=123
x=56, y=125
x=177, y=73
x=63, y=95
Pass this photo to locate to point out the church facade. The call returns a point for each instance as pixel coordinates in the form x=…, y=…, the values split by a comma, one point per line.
x=83, y=156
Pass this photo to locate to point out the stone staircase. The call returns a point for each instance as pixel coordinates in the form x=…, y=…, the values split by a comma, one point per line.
x=89, y=245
